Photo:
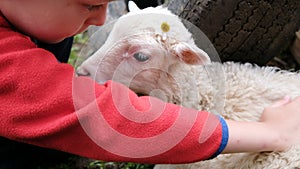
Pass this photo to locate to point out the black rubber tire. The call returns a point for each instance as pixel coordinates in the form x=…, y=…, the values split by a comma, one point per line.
x=243, y=30
x=145, y=3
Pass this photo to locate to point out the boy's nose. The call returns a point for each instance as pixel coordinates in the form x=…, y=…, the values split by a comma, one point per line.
x=97, y=17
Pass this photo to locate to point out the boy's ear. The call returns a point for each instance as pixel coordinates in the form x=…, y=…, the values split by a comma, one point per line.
x=190, y=55
x=133, y=7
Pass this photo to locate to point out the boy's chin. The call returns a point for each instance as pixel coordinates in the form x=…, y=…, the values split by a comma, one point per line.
x=53, y=41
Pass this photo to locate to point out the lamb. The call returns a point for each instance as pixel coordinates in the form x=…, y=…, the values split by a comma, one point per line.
x=157, y=56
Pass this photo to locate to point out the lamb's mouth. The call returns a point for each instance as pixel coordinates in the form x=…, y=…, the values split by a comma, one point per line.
x=162, y=97
x=141, y=94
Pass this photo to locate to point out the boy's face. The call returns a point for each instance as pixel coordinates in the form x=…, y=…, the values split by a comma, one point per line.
x=52, y=21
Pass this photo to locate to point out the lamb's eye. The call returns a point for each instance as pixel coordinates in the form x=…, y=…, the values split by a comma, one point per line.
x=141, y=57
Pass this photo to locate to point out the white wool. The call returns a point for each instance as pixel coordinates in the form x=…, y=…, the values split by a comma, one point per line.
x=150, y=20
x=236, y=91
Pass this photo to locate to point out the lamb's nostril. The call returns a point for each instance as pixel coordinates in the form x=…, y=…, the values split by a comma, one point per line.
x=82, y=74
x=80, y=71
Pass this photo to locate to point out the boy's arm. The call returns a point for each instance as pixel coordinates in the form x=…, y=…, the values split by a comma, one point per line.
x=250, y=137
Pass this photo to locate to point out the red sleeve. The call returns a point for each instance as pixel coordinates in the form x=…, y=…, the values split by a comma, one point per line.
x=44, y=104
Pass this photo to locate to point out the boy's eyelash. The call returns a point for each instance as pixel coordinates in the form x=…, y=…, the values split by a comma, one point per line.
x=93, y=7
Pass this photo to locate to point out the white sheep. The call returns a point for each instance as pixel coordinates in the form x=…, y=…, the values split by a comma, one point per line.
x=153, y=53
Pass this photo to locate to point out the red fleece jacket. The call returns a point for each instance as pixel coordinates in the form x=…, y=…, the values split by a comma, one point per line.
x=43, y=103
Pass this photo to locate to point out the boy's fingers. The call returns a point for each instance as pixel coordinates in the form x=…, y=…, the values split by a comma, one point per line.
x=296, y=103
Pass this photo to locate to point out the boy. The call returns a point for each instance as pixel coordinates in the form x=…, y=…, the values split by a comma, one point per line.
x=43, y=104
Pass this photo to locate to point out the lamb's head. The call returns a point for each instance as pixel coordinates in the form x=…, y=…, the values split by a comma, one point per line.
x=144, y=47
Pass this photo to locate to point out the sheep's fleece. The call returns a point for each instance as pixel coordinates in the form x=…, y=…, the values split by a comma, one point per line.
x=168, y=65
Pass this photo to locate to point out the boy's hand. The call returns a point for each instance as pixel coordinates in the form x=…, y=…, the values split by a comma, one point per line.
x=277, y=130
x=283, y=117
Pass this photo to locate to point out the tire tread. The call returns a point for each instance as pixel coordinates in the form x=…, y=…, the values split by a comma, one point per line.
x=243, y=30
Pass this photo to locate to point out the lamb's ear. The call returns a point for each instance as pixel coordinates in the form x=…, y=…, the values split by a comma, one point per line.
x=190, y=54
x=133, y=7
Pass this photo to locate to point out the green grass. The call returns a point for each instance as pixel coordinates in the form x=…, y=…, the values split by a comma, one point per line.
x=79, y=41
x=84, y=163
x=114, y=165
